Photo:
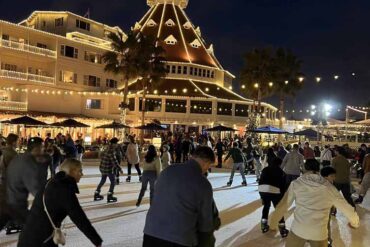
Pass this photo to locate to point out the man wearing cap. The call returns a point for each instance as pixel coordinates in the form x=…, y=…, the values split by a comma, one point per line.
x=27, y=173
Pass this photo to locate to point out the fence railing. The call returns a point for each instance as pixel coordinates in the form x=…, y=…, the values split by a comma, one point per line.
x=28, y=48
x=26, y=77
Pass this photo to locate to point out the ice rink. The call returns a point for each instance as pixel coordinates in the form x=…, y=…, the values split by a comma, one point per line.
x=121, y=223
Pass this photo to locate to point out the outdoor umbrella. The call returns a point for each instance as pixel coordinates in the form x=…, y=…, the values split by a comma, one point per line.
x=70, y=123
x=113, y=125
x=25, y=120
x=220, y=128
x=309, y=133
x=269, y=130
x=151, y=126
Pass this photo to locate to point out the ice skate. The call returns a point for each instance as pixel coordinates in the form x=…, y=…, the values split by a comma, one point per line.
x=359, y=200
x=13, y=229
x=330, y=243
x=140, y=179
x=229, y=183
x=264, y=226
x=117, y=180
x=244, y=183
x=97, y=196
x=283, y=231
x=128, y=179
x=111, y=198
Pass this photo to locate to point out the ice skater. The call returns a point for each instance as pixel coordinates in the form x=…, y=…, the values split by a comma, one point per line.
x=239, y=160
x=107, y=166
x=272, y=187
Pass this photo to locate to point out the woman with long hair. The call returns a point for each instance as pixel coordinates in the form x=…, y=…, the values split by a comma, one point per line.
x=133, y=158
x=152, y=167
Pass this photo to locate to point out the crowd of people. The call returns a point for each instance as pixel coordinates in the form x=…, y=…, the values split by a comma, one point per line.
x=317, y=179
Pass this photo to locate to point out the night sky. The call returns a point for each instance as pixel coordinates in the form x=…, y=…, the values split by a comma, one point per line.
x=331, y=37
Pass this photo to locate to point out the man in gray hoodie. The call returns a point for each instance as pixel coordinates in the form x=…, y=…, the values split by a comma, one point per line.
x=292, y=165
x=27, y=173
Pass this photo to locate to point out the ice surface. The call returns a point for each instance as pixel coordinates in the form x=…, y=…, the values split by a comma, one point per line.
x=121, y=224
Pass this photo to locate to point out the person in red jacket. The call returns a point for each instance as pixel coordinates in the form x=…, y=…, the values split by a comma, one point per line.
x=308, y=152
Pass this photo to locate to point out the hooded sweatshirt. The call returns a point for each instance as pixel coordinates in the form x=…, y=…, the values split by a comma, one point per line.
x=314, y=196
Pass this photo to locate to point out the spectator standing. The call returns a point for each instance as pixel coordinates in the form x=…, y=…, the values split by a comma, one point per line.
x=308, y=152
x=326, y=156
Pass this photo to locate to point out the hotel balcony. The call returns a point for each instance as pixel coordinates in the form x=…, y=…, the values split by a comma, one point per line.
x=26, y=77
x=27, y=48
x=13, y=106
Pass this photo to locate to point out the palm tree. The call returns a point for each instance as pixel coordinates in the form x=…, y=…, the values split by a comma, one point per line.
x=151, y=69
x=123, y=60
x=257, y=74
x=287, y=77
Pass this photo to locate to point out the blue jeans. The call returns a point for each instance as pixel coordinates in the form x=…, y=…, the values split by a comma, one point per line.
x=102, y=182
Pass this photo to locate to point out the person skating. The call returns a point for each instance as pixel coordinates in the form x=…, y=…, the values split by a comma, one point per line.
x=314, y=196
x=182, y=211
x=365, y=184
x=329, y=174
x=26, y=174
x=80, y=150
x=165, y=157
x=219, y=147
x=326, y=156
x=342, y=181
x=272, y=188
x=8, y=154
x=293, y=165
x=133, y=158
x=59, y=199
x=239, y=159
x=107, y=165
x=151, y=168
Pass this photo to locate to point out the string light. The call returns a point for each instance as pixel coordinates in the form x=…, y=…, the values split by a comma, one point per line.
x=318, y=79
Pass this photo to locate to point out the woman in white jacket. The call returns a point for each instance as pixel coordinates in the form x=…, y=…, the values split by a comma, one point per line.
x=152, y=167
x=133, y=158
x=314, y=196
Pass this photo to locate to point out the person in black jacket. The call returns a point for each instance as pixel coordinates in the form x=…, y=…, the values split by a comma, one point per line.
x=61, y=201
x=272, y=187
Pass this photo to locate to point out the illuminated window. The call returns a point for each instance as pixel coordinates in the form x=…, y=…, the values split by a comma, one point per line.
x=170, y=40
x=67, y=76
x=196, y=44
x=92, y=57
x=151, y=23
x=94, y=104
x=170, y=23
x=59, y=22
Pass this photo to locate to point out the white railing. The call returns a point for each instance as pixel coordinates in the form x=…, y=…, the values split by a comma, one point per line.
x=26, y=77
x=25, y=47
x=13, y=106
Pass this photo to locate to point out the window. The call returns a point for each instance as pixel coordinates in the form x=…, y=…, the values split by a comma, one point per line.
x=5, y=36
x=212, y=74
x=59, y=22
x=204, y=73
x=185, y=70
x=176, y=106
x=151, y=23
x=94, y=104
x=91, y=81
x=173, y=71
x=151, y=105
x=224, y=109
x=168, y=69
x=69, y=51
x=83, y=25
x=170, y=23
x=196, y=71
x=131, y=104
x=170, y=40
x=208, y=73
x=111, y=83
x=92, y=57
x=44, y=23
x=43, y=46
x=179, y=69
x=201, y=107
x=241, y=110
x=187, y=25
x=10, y=67
x=67, y=76
x=195, y=44
x=191, y=70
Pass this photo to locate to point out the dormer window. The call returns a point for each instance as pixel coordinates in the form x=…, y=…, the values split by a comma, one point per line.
x=187, y=25
x=136, y=27
x=170, y=23
x=170, y=40
x=195, y=44
x=151, y=23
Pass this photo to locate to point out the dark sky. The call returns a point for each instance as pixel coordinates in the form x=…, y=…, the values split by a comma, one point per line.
x=330, y=36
